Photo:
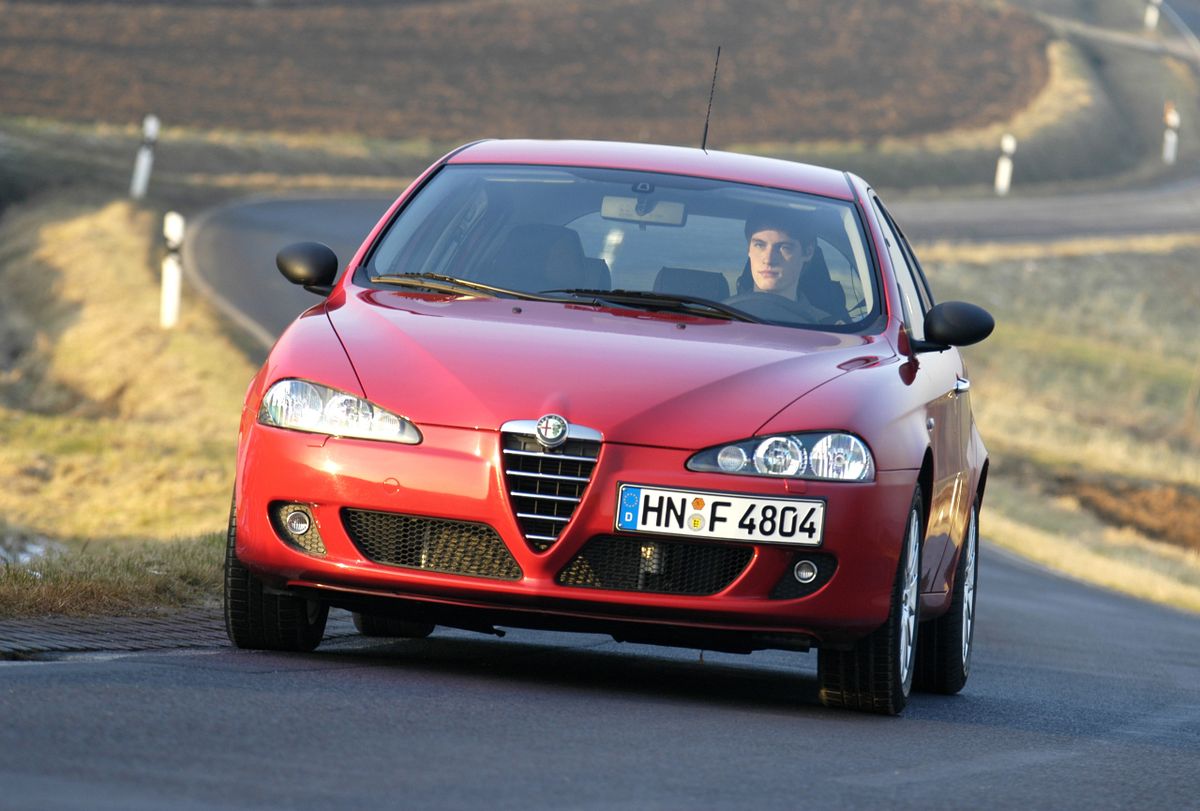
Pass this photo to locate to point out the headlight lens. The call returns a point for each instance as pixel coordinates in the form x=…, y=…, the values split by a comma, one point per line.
x=303, y=406
x=779, y=456
x=823, y=456
x=841, y=457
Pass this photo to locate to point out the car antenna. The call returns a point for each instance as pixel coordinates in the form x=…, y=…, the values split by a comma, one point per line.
x=711, y=91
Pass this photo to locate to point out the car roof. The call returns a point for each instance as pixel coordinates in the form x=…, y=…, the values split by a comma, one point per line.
x=675, y=160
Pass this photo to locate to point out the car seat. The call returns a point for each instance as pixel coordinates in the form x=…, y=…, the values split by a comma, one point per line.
x=596, y=274
x=705, y=284
x=535, y=257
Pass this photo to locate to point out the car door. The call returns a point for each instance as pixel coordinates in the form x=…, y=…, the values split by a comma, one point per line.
x=938, y=378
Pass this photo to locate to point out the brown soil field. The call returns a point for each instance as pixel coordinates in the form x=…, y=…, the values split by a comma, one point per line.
x=1161, y=511
x=448, y=71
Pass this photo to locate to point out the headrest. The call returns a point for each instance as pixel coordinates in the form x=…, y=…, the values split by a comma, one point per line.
x=705, y=284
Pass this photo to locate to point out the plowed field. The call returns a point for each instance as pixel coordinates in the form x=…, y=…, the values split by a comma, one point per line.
x=625, y=69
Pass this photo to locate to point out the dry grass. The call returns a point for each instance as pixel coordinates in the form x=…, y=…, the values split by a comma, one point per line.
x=115, y=580
x=110, y=428
x=1087, y=396
x=1058, y=533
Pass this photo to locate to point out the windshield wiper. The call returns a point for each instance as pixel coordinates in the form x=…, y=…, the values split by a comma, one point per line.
x=452, y=284
x=670, y=302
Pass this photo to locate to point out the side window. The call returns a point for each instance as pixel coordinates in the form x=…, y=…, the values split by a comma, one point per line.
x=914, y=265
x=914, y=305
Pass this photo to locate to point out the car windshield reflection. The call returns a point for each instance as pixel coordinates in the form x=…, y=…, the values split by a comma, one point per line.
x=751, y=253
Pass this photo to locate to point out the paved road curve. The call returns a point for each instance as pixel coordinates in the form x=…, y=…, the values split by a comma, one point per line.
x=1079, y=699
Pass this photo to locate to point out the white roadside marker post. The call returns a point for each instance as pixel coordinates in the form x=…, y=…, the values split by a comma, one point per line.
x=1004, y=165
x=1150, y=19
x=145, y=158
x=1170, y=134
x=174, y=227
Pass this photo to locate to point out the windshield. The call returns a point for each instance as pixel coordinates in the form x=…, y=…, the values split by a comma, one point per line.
x=782, y=257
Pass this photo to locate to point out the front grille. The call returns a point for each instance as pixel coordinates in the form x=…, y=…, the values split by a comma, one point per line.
x=545, y=484
x=623, y=563
x=789, y=588
x=432, y=544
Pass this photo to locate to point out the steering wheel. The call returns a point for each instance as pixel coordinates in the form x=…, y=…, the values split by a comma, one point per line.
x=774, y=307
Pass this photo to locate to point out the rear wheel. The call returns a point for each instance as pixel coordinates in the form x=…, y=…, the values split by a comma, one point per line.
x=944, y=657
x=876, y=675
x=258, y=620
x=379, y=625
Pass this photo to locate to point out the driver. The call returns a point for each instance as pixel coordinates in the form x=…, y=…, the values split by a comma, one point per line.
x=778, y=247
x=781, y=248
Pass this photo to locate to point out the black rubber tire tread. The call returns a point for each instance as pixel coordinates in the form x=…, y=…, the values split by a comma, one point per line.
x=379, y=625
x=867, y=677
x=940, y=668
x=257, y=620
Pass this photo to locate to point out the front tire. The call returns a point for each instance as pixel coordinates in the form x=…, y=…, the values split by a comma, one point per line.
x=876, y=675
x=944, y=649
x=258, y=620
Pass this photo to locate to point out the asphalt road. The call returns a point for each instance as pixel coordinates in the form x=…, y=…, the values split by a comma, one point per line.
x=1078, y=699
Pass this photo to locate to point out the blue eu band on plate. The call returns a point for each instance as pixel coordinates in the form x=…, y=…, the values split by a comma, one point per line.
x=720, y=516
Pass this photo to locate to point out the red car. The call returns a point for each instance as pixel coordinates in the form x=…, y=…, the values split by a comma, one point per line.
x=680, y=397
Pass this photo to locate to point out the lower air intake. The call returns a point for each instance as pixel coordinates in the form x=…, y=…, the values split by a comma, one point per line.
x=623, y=563
x=431, y=544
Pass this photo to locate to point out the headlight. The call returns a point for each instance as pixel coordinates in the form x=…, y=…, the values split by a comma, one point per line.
x=824, y=456
x=303, y=406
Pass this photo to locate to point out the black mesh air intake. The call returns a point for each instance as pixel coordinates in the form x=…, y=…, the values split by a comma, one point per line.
x=624, y=563
x=432, y=544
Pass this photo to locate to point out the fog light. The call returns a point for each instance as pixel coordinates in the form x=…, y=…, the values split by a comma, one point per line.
x=805, y=571
x=297, y=522
x=295, y=525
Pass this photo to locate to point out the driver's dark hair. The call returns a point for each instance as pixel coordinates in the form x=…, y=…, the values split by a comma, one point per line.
x=779, y=219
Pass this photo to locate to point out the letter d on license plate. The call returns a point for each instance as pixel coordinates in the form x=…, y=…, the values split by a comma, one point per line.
x=720, y=516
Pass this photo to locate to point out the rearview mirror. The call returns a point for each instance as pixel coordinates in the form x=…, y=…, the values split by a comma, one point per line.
x=954, y=323
x=311, y=264
x=643, y=211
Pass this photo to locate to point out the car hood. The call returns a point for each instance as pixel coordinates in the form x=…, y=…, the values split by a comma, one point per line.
x=638, y=378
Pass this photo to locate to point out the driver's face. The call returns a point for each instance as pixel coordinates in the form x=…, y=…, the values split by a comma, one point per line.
x=775, y=261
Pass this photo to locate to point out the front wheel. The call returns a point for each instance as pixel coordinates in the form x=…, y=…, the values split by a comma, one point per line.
x=259, y=620
x=944, y=658
x=876, y=675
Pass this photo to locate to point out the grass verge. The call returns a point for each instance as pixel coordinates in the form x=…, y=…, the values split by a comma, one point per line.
x=114, y=434
x=1088, y=397
x=113, y=580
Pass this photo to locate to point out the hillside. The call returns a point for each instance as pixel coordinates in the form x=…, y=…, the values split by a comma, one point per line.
x=449, y=71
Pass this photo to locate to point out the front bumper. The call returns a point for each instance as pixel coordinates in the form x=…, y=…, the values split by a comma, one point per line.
x=457, y=474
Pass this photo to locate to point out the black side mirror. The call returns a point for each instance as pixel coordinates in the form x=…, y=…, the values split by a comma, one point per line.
x=311, y=264
x=954, y=323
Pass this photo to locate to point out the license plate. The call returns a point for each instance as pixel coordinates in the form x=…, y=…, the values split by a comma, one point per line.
x=720, y=516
